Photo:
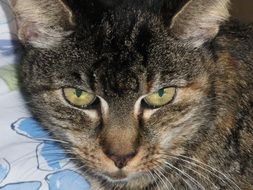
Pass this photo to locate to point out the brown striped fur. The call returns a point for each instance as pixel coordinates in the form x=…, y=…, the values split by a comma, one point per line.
x=124, y=50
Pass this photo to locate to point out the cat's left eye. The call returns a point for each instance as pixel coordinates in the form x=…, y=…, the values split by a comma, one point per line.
x=78, y=98
x=161, y=97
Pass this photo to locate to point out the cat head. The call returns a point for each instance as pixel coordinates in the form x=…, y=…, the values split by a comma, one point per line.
x=125, y=85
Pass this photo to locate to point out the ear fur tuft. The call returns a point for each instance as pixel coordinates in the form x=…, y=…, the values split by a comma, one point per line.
x=199, y=20
x=42, y=23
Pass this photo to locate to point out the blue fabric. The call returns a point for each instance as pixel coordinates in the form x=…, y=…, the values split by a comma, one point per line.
x=50, y=157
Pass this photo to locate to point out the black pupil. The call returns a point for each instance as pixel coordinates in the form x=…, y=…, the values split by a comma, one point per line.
x=161, y=92
x=79, y=93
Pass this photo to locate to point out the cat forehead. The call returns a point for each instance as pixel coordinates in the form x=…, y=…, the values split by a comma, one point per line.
x=118, y=63
x=122, y=52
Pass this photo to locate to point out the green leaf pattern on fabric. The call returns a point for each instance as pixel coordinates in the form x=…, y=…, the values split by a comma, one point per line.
x=9, y=75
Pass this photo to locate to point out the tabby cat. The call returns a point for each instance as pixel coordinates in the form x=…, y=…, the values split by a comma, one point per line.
x=143, y=94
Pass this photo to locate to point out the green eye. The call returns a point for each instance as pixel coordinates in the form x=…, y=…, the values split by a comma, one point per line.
x=161, y=98
x=78, y=97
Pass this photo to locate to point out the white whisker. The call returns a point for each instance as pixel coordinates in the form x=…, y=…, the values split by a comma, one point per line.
x=187, y=175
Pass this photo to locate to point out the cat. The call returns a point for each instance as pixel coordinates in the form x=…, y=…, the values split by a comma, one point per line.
x=144, y=94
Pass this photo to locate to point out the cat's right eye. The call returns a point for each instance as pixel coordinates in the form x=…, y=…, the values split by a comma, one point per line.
x=78, y=98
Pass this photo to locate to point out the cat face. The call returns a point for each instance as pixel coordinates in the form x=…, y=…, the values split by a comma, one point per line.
x=125, y=91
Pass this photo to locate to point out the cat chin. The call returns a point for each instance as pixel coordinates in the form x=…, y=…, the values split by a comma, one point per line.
x=120, y=177
x=116, y=179
x=132, y=181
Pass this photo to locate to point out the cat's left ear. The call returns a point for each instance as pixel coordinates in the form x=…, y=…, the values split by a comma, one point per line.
x=42, y=23
x=199, y=20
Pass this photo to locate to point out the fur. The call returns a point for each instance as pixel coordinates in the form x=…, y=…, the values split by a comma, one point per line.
x=124, y=50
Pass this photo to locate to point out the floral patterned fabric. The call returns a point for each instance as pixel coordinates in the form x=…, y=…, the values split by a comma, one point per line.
x=29, y=159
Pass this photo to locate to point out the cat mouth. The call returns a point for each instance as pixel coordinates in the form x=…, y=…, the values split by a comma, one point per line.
x=118, y=176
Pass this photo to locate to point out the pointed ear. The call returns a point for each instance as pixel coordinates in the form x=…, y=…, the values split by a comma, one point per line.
x=42, y=23
x=199, y=20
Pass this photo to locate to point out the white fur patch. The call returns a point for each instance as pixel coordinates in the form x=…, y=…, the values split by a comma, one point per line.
x=104, y=107
x=137, y=107
x=146, y=113
x=93, y=114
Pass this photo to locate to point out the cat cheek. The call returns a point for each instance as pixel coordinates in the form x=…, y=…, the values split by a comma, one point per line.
x=148, y=113
x=92, y=114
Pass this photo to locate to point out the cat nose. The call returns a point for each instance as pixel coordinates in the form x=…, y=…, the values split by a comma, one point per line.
x=120, y=160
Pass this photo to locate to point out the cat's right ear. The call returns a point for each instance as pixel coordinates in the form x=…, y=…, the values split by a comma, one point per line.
x=199, y=20
x=42, y=23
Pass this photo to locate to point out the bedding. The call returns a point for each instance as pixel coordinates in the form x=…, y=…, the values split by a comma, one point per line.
x=29, y=159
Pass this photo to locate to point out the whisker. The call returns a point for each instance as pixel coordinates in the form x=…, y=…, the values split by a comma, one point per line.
x=167, y=180
x=200, y=175
x=227, y=178
x=152, y=175
x=207, y=170
x=161, y=179
x=187, y=175
x=179, y=174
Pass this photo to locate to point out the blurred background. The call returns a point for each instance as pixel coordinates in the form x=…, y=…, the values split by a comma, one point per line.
x=242, y=9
